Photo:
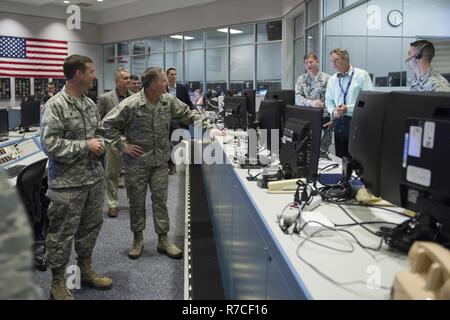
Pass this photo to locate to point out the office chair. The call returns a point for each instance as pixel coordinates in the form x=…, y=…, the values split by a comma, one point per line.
x=29, y=185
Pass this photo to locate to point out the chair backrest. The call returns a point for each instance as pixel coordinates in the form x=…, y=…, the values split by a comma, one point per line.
x=29, y=186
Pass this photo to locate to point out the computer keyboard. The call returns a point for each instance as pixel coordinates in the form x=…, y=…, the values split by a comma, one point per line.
x=14, y=170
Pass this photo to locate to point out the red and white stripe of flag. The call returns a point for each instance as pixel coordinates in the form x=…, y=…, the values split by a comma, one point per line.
x=45, y=59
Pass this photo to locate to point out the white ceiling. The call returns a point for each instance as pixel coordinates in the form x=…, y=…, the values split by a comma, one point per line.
x=93, y=5
x=102, y=12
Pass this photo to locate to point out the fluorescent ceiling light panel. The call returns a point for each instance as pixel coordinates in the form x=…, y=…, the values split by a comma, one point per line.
x=180, y=37
x=232, y=31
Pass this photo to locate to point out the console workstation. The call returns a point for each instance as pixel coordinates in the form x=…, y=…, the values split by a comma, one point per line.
x=290, y=227
x=20, y=148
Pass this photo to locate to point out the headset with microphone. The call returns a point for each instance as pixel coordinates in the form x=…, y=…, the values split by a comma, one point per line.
x=419, y=54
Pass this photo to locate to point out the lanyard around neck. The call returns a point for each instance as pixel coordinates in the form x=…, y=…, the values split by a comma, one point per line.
x=344, y=93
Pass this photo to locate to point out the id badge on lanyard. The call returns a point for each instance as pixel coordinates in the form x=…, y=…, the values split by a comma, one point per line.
x=344, y=93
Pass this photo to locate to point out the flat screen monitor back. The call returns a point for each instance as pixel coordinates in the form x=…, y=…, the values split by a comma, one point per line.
x=235, y=112
x=269, y=117
x=366, y=136
x=381, y=82
x=287, y=96
x=314, y=117
x=30, y=113
x=251, y=109
x=4, y=124
x=397, y=79
x=428, y=193
x=401, y=106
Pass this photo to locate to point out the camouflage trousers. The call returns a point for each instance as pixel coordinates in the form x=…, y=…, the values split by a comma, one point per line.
x=113, y=165
x=74, y=213
x=137, y=180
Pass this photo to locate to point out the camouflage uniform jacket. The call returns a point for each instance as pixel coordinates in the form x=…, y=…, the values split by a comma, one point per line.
x=308, y=88
x=148, y=125
x=431, y=81
x=66, y=125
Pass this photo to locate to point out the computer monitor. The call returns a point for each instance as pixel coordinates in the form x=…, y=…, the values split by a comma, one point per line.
x=251, y=110
x=381, y=82
x=273, y=30
x=397, y=79
x=425, y=185
x=30, y=113
x=262, y=92
x=269, y=118
x=405, y=105
x=235, y=112
x=287, y=96
x=406, y=141
x=365, y=140
x=4, y=125
x=300, y=143
x=378, y=144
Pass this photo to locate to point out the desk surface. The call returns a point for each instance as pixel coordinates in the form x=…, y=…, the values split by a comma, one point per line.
x=365, y=272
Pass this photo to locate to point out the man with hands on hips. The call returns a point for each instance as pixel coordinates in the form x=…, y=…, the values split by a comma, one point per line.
x=145, y=118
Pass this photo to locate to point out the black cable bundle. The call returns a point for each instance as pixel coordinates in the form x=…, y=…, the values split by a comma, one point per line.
x=422, y=227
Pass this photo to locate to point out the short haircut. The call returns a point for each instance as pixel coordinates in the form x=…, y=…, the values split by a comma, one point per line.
x=151, y=75
x=50, y=84
x=310, y=55
x=426, y=48
x=343, y=53
x=73, y=63
x=170, y=69
x=118, y=72
x=134, y=77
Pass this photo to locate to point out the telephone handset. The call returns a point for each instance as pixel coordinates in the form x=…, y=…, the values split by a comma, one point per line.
x=429, y=277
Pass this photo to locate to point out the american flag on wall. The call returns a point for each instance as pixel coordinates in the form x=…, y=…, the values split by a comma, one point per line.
x=32, y=58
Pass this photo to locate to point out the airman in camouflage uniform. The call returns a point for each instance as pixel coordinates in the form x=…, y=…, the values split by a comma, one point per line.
x=430, y=81
x=16, y=242
x=420, y=54
x=145, y=118
x=310, y=92
x=310, y=88
x=71, y=138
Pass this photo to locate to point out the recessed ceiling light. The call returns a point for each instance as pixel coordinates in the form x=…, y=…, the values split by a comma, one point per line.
x=180, y=37
x=65, y=1
x=99, y=0
x=232, y=31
